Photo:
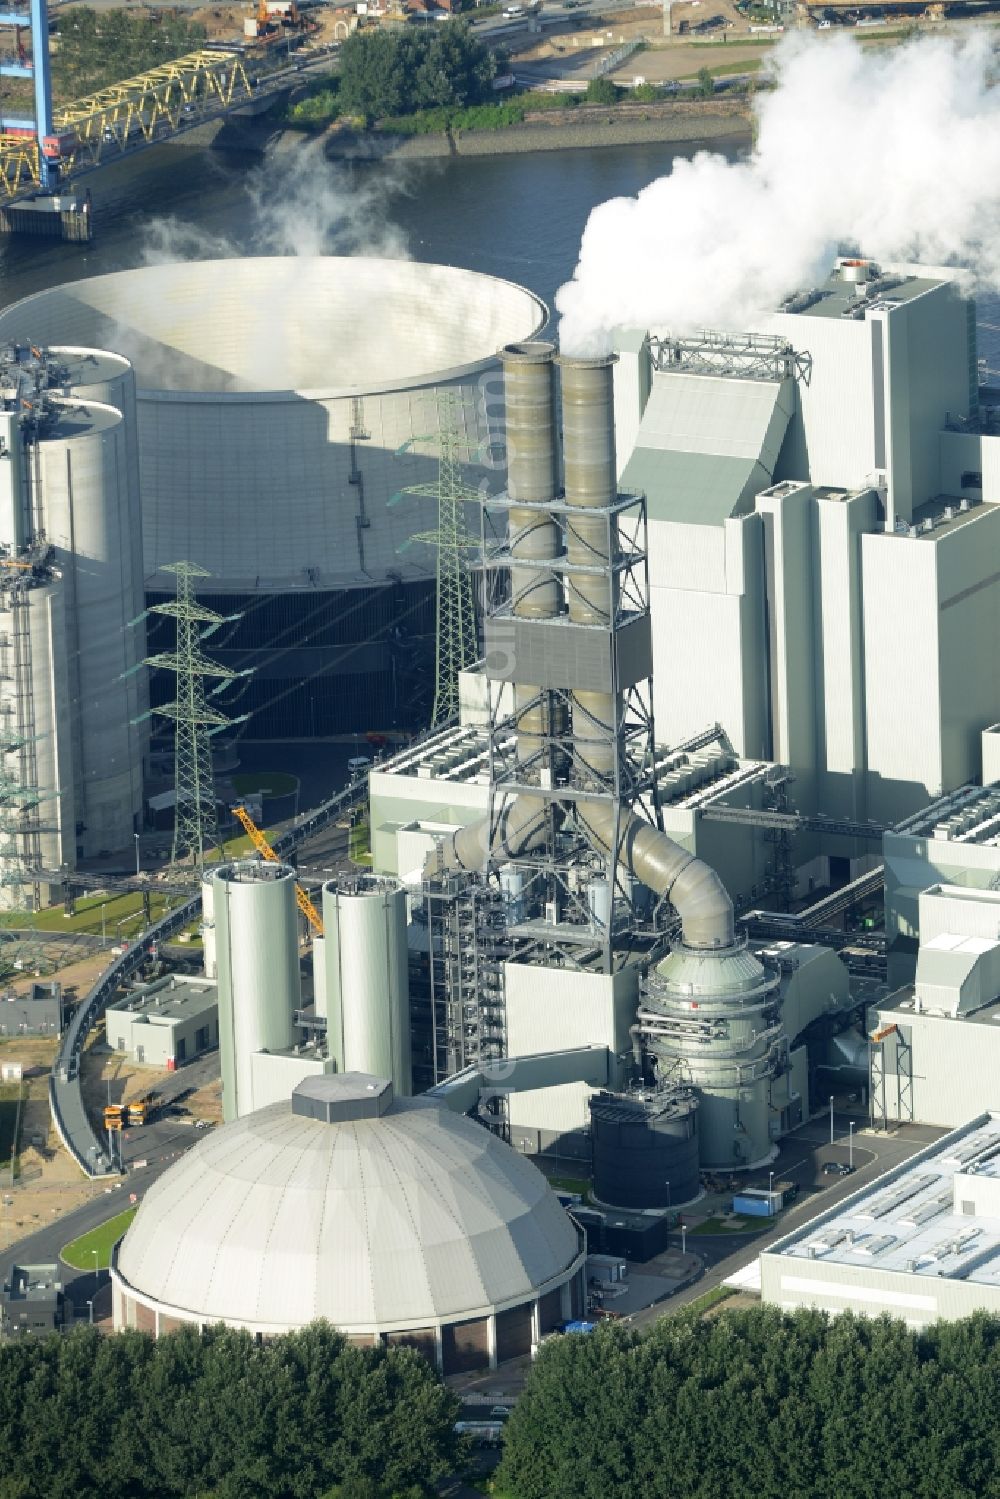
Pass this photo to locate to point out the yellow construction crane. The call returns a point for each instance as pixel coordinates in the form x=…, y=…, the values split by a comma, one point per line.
x=265, y=850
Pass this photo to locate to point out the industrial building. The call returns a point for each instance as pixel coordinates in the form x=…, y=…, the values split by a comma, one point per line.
x=39, y=1012
x=72, y=690
x=809, y=485
x=32, y=1301
x=255, y=946
x=921, y=1242
x=544, y=835
x=166, y=1023
x=394, y=1218
x=284, y=408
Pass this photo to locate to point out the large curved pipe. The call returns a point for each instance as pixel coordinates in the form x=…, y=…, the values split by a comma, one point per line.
x=695, y=890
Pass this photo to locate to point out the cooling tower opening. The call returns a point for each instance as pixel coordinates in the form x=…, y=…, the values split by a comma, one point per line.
x=329, y=325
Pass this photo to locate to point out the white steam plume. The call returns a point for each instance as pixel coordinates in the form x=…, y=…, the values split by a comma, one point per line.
x=316, y=209
x=894, y=152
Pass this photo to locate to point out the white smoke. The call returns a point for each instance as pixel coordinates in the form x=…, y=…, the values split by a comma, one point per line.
x=301, y=204
x=893, y=152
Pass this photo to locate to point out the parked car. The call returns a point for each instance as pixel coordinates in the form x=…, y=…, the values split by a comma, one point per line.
x=837, y=1168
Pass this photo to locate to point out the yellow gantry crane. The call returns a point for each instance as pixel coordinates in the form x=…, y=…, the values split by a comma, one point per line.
x=265, y=850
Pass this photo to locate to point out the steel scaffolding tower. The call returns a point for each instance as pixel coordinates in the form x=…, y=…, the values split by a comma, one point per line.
x=457, y=641
x=195, y=720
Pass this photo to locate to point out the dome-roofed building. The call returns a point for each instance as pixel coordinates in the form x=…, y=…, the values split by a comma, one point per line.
x=392, y=1218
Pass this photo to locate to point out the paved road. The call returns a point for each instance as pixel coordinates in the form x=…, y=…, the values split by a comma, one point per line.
x=801, y=1159
x=163, y=1143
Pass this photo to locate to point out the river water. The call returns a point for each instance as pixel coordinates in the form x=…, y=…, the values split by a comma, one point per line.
x=516, y=216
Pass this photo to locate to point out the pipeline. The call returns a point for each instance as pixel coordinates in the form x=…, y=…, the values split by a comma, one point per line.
x=696, y=891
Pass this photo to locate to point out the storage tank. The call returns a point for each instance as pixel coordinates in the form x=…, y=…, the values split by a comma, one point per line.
x=208, y=924
x=36, y=738
x=98, y=375
x=282, y=404
x=81, y=505
x=257, y=970
x=645, y=1148
x=367, y=981
x=712, y=1021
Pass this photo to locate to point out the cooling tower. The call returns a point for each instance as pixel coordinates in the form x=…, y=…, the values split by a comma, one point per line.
x=284, y=406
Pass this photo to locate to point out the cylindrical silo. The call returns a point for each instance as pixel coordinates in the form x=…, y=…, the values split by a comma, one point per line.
x=208, y=924
x=98, y=375
x=319, y=976
x=367, y=984
x=645, y=1148
x=82, y=506
x=257, y=970
x=38, y=816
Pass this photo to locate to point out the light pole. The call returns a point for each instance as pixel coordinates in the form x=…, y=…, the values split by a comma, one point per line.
x=684, y=1238
x=770, y=1188
x=138, y=870
x=831, y=1118
x=850, y=1143
x=90, y=1309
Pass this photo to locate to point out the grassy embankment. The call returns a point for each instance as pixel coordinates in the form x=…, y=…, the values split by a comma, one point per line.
x=79, y=1253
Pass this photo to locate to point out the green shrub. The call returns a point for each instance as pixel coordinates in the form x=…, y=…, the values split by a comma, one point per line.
x=601, y=91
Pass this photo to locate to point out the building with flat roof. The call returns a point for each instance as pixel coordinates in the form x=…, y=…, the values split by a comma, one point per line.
x=922, y=1242
x=37, y=1013
x=809, y=485
x=31, y=1300
x=167, y=1023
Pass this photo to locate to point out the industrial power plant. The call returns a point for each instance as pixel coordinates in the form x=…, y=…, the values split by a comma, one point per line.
x=713, y=837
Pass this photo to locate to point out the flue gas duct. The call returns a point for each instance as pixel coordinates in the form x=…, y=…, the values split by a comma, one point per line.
x=574, y=822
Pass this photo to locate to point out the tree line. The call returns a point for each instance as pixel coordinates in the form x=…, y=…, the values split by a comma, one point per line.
x=401, y=71
x=764, y=1404
x=217, y=1415
x=98, y=48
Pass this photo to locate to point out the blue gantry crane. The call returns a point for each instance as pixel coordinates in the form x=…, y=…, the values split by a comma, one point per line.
x=36, y=67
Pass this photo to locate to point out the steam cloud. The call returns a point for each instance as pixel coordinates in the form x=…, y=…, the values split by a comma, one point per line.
x=303, y=204
x=891, y=152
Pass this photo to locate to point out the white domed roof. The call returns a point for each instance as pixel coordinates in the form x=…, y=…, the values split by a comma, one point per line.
x=404, y=1219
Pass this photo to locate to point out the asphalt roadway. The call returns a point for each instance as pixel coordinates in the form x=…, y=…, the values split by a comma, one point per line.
x=801, y=1158
x=158, y=1144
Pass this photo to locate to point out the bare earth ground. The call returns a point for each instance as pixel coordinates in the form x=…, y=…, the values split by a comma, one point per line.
x=51, y=1183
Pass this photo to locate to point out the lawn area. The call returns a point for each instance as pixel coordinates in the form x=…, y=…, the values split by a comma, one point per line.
x=359, y=848
x=270, y=782
x=569, y=1184
x=727, y=69
x=80, y=1252
x=705, y=1302
x=126, y=909
x=731, y=1226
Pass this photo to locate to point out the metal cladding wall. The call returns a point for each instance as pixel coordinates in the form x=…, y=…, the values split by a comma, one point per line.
x=367, y=980
x=257, y=969
x=41, y=714
x=208, y=925
x=97, y=375
x=644, y=1158
x=284, y=407
x=83, y=505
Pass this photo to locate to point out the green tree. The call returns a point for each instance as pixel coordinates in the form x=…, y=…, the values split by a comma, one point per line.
x=386, y=73
x=705, y=87
x=601, y=91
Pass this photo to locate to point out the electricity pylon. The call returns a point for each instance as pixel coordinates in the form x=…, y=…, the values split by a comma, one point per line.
x=456, y=641
x=195, y=720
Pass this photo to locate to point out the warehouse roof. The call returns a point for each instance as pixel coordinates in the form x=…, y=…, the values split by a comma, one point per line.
x=404, y=1219
x=936, y=1216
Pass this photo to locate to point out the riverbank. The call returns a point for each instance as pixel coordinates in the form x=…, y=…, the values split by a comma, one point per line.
x=581, y=127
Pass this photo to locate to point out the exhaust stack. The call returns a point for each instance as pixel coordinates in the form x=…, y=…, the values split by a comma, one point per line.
x=566, y=623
